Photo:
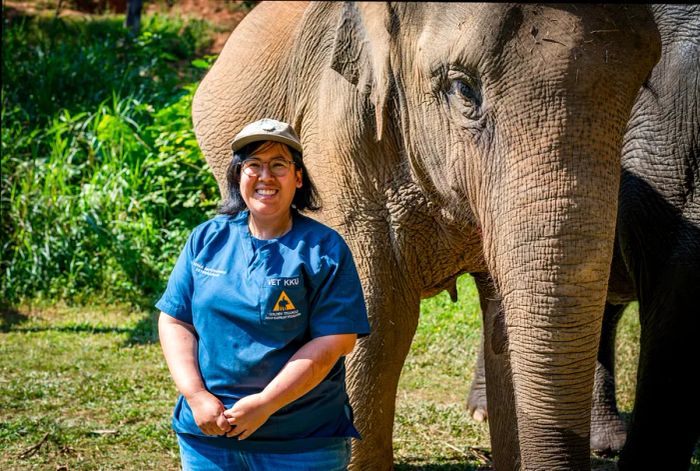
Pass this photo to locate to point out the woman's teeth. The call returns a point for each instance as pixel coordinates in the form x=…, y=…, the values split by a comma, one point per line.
x=266, y=192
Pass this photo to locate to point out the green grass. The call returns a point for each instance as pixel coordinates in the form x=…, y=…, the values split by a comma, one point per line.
x=432, y=425
x=87, y=388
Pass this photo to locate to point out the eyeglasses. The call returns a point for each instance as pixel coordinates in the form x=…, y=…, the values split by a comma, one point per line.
x=278, y=166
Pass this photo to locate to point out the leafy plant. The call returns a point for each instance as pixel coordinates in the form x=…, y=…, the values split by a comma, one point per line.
x=102, y=177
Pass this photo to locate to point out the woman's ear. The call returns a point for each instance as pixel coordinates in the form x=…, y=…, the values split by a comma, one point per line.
x=299, y=178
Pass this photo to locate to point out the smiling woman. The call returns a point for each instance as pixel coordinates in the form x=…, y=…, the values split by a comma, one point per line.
x=255, y=148
x=260, y=309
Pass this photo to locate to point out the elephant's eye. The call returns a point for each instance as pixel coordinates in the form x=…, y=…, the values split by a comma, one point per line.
x=465, y=90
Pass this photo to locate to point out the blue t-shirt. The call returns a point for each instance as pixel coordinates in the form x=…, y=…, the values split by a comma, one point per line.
x=254, y=303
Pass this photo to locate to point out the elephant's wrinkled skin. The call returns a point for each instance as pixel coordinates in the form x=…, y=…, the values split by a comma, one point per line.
x=656, y=261
x=658, y=234
x=451, y=138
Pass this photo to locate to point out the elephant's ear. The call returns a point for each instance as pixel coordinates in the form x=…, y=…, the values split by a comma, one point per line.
x=361, y=52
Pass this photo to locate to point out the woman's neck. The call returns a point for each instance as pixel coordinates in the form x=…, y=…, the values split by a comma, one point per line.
x=272, y=229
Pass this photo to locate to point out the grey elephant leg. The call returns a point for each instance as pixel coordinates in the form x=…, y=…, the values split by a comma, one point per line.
x=503, y=428
x=608, y=431
x=476, y=402
x=665, y=424
x=375, y=366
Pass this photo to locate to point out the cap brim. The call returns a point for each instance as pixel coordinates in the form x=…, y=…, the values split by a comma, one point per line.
x=237, y=144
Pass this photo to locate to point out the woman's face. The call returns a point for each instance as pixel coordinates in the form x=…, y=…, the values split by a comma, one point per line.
x=269, y=197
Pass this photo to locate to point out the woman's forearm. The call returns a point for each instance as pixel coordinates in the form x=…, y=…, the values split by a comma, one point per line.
x=306, y=369
x=300, y=374
x=179, y=344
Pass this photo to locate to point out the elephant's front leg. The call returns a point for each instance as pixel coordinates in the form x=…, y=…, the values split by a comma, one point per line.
x=375, y=365
x=608, y=431
x=476, y=401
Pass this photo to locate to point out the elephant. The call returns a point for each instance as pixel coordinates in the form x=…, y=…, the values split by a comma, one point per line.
x=452, y=138
x=656, y=260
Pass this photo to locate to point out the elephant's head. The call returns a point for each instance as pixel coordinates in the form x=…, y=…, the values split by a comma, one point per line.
x=511, y=118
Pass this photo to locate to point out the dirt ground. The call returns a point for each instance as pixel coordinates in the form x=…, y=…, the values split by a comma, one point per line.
x=224, y=14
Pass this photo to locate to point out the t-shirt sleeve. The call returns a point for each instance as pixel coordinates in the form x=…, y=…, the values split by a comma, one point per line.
x=177, y=298
x=338, y=307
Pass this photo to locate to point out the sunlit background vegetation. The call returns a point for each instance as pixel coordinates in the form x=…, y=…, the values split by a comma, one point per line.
x=101, y=174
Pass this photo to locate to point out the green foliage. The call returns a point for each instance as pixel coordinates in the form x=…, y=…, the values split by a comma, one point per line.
x=102, y=177
x=55, y=64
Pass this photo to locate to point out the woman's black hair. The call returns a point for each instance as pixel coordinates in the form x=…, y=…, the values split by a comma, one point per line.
x=305, y=198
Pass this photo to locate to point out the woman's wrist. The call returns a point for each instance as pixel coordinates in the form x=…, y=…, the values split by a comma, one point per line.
x=192, y=394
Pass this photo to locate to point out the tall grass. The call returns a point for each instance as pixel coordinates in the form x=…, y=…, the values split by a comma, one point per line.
x=101, y=174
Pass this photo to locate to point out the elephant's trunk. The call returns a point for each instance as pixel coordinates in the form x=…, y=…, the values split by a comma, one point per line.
x=551, y=211
x=551, y=273
x=552, y=277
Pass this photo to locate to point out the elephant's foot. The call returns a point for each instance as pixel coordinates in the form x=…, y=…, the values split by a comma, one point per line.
x=476, y=402
x=608, y=430
x=608, y=436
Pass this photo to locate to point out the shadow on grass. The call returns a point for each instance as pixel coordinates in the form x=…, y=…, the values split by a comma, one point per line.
x=74, y=328
x=440, y=467
x=597, y=464
x=144, y=332
x=10, y=317
x=476, y=458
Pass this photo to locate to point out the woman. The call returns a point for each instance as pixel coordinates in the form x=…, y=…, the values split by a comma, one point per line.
x=259, y=311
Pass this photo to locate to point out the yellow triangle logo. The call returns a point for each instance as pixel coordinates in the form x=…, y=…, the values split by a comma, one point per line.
x=284, y=303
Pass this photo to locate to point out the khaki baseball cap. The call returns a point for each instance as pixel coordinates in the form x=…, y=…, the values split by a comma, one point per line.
x=267, y=129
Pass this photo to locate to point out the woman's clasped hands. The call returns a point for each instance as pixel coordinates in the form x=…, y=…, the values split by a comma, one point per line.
x=247, y=415
x=240, y=421
x=208, y=412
